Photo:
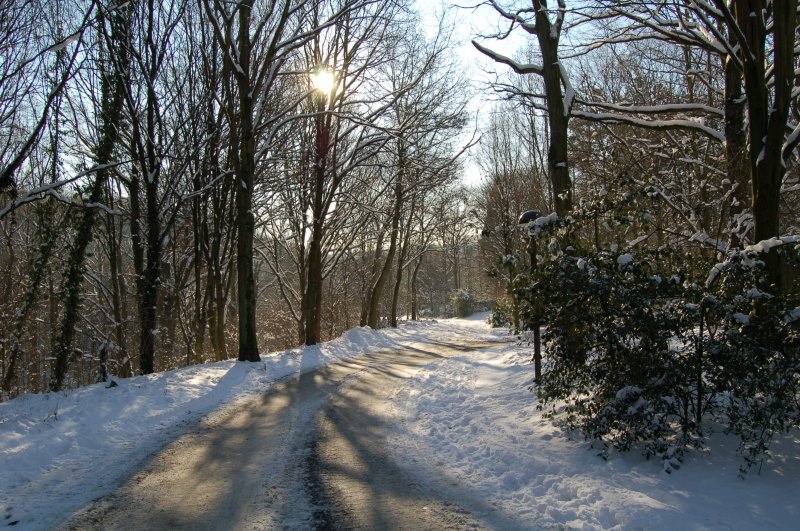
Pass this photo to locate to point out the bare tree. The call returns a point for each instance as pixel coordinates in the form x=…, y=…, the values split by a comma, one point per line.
x=558, y=98
x=255, y=43
x=425, y=119
x=505, y=194
x=356, y=101
x=20, y=77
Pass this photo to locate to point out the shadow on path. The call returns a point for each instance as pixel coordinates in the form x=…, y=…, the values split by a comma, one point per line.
x=308, y=453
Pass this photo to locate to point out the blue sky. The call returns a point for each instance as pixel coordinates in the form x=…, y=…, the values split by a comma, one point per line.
x=470, y=24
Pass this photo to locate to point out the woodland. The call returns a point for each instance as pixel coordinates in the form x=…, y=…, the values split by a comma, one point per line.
x=185, y=182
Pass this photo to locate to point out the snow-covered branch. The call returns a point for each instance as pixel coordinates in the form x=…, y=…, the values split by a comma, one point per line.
x=520, y=68
x=677, y=124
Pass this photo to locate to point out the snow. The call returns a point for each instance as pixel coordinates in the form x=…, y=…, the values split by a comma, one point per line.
x=614, y=118
x=624, y=260
x=764, y=246
x=569, y=92
x=468, y=425
x=536, y=226
x=756, y=294
x=747, y=254
x=59, y=451
x=741, y=318
x=66, y=42
x=714, y=273
x=472, y=424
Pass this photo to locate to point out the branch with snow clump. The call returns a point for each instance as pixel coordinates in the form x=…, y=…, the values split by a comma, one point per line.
x=749, y=254
x=542, y=223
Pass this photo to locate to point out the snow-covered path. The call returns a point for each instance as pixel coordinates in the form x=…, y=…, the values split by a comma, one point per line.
x=61, y=451
x=460, y=435
x=474, y=420
x=308, y=453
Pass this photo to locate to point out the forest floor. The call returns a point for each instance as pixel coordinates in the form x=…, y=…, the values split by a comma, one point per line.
x=430, y=426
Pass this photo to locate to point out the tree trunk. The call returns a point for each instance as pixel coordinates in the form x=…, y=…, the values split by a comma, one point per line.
x=245, y=221
x=216, y=293
x=151, y=279
x=375, y=270
x=216, y=325
x=737, y=166
x=117, y=293
x=377, y=288
x=767, y=119
x=301, y=322
x=396, y=292
x=71, y=286
x=200, y=316
x=414, y=294
x=246, y=285
x=313, y=293
x=557, y=114
x=209, y=169
x=400, y=263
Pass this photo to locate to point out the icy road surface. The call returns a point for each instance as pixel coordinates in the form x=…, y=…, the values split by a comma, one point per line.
x=309, y=453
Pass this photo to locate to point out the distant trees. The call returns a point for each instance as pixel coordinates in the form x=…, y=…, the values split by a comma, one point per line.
x=346, y=133
x=367, y=149
x=333, y=146
x=425, y=117
x=513, y=184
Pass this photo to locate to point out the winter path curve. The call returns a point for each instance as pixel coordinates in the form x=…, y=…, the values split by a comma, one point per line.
x=308, y=453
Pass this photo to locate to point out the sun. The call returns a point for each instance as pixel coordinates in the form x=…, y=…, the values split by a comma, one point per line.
x=323, y=80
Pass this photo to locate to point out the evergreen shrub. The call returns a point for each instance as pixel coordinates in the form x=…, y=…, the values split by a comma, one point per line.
x=463, y=303
x=641, y=356
x=654, y=348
